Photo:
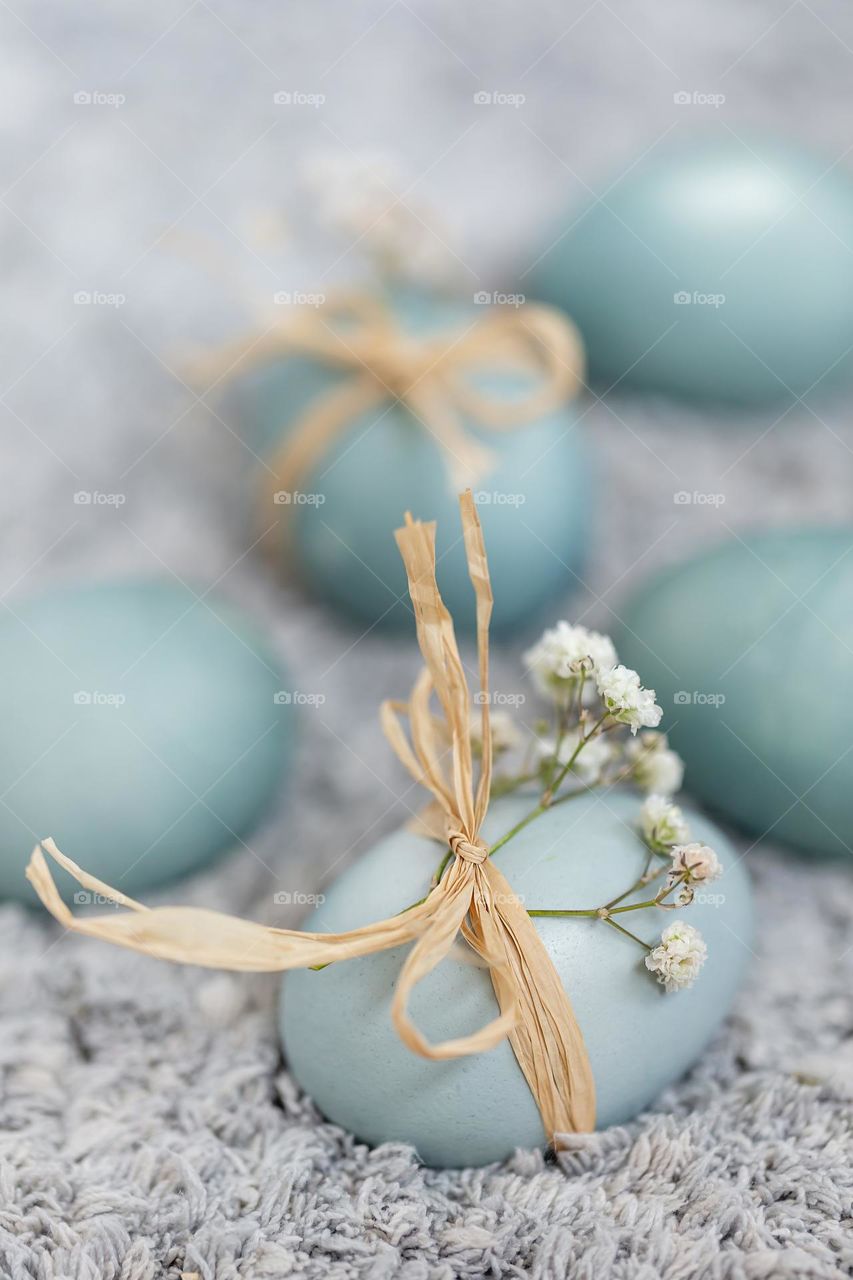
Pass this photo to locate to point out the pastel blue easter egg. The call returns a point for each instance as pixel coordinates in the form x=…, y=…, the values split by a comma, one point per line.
x=535, y=500
x=341, y=1047
x=750, y=649
x=715, y=271
x=138, y=726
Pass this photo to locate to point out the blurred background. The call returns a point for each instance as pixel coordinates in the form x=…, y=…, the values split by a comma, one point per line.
x=155, y=202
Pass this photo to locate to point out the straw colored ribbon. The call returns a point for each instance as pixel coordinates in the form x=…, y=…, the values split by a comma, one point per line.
x=360, y=336
x=473, y=896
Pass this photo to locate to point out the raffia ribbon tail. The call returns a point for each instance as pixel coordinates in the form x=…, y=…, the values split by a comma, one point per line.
x=547, y=1040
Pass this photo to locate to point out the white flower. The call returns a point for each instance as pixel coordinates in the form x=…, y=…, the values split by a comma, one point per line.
x=363, y=196
x=662, y=822
x=627, y=700
x=592, y=759
x=655, y=767
x=505, y=731
x=557, y=658
x=696, y=861
x=678, y=957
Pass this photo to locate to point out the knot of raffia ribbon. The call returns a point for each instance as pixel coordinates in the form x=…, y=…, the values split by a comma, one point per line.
x=433, y=376
x=471, y=898
x=467, y=851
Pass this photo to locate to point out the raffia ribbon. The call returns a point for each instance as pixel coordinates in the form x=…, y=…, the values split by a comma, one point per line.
x=473, y=897
x=359, y=335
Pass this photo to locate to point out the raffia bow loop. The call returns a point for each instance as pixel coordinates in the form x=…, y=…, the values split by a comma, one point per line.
x=434, y=376
x=471, y=899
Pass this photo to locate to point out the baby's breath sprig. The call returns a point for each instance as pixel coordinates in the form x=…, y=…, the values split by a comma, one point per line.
x=365, y=197
x=603, y=732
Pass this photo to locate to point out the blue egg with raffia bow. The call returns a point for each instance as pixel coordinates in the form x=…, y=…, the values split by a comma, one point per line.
x=714, y=271
x=143, y=728
x=533, y=487
x=750, y=649
x=336, y=1027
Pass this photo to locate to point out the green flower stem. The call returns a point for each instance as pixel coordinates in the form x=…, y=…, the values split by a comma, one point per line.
x=636, y=906
x=638, y=884
x=607, y=911
x=652, y=902
x=606, y=919
x=440, y=872
x=581, y=683
x=562, y=725
x=519, y=826
x=583, y=739
x=627, y=933
x=558, y=914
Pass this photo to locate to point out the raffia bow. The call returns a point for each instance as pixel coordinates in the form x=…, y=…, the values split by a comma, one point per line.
x=472, y=897
x=359, y=336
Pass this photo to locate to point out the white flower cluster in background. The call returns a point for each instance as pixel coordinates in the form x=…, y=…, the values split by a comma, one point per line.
x=506, y=735
x=366, y=199
x=589, y=764
x=656, y=768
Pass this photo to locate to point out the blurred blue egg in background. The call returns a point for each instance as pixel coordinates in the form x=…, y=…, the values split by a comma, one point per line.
x=145, y=727
x=750, y=648
x=716, y=269
x=536, y=495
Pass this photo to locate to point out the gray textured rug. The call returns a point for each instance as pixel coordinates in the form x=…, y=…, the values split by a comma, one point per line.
x=148, y=1127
